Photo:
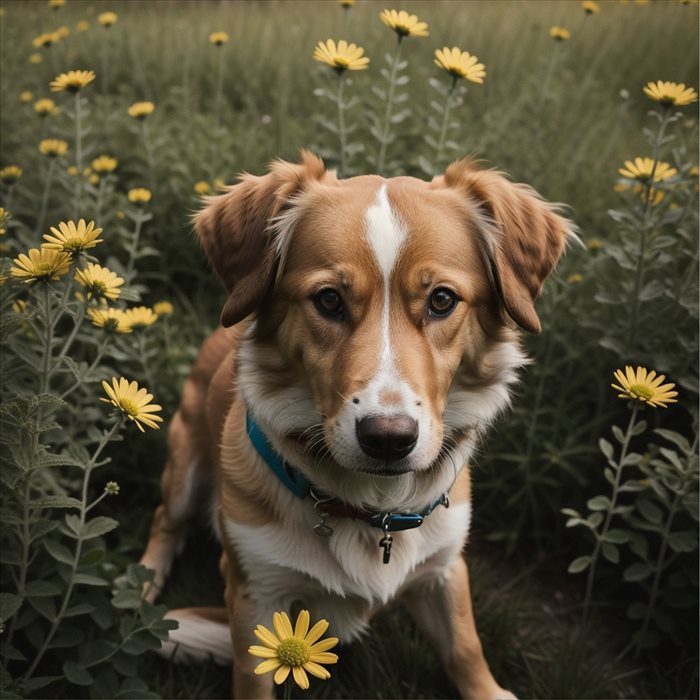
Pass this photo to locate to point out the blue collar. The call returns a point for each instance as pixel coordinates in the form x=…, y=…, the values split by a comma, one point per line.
x=324, y=506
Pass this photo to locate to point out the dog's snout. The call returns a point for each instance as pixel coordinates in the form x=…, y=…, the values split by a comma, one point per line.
x=387, y=437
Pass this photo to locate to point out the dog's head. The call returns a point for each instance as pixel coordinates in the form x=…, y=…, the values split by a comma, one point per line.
x=385, y=312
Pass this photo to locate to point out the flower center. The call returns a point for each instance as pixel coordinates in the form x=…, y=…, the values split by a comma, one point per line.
x=98, y=288
x=293, y=652
x=129, y=407
x=44, y=270
x=73, y=245
x=642, y=391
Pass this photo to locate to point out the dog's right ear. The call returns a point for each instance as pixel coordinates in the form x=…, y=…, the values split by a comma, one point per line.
x=234, y=229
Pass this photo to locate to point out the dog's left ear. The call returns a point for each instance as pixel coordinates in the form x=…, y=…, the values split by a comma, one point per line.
x=520, y=235
x=235, y=231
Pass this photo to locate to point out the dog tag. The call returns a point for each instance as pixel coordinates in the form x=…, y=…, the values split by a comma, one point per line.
x=386, y=542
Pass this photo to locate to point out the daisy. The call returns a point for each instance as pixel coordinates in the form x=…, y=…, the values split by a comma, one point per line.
x=644, y=386
x=140, y=316
x=218, y=38
x=460, y=64
x=53, y=147
x=45, y=106
x=40, y=264
x=71, y=238
x=163, y=308
x=295, y=650
x=559, y=33
x=140, y=110
x=342, y=57
x=72, y=81
x=99, y=282
x=403, y=23
x=112, y=320
x=641, y=170
x=107, y=19
x=139, y=195
x=104, y=164
x=670, y=93
x=134, y=403
x=10, y=174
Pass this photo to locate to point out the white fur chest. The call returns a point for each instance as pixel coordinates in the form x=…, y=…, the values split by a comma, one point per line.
x=341, y=577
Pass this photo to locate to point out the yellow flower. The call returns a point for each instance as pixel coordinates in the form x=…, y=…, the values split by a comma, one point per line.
x=71, y=238
x=218, y=38
x=140, y=110
x=82, y=26
x=4, y=218
x=595, y=244
x=99, y=282
x=55, y=4
x=575, y=278
x=25, y=96
x=104, y=164
x=45, y=40
x=346, y=3
x=342, y=57
x=163, y=308
x=590, y=7
x=63, y=32
x=140, y=316
x=10, y=174
x=642, y=385
x=133, y=402
x=72, y=170
x=297, y=651
x=559, y=33
x=112, y=320
x=107, y=19
x=72, y=81
x=668, y=94
x=53, y=147
x=35, y=59
x=41, y=264
x=403, y=23
x=202, y=187
x=45, y=106
x=219, y=184
x=19, y=306
x=139, y=195
x=460, y=64
x=641, y=170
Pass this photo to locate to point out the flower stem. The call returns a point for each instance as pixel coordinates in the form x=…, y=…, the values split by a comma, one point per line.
x=45, y=198
x=148, y=145
x=445, y=122
x=645, y=230
x=77, y=554
x=608, y=517
x=387, y=112
x=133, y=248
x=78, y=156
x=341, y=124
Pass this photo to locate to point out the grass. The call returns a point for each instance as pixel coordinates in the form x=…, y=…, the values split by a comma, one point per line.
x=567, y=140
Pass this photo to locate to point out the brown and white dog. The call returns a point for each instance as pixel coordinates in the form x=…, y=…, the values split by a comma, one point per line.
x=369, y=340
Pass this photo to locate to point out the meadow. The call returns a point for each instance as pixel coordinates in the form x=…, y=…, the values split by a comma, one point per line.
x=584, y=545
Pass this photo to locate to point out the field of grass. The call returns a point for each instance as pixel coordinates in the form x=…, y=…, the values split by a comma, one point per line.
x=598, y=601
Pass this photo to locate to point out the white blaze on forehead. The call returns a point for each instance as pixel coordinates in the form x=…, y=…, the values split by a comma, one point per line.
x=385, y=234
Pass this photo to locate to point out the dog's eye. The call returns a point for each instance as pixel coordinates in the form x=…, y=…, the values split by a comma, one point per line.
x=328, y=302
x=442, y=302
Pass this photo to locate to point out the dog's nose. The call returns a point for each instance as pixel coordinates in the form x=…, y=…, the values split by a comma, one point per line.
x=387, y=437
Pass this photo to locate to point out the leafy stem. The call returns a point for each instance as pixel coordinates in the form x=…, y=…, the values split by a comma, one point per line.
x=389, y=105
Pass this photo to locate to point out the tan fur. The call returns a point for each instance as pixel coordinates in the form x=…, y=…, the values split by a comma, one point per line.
x=275, y=241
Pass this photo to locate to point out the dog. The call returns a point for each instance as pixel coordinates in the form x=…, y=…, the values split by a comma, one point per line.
x=369, y=339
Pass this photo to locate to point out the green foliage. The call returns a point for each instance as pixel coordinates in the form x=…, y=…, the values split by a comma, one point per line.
x=562, y=116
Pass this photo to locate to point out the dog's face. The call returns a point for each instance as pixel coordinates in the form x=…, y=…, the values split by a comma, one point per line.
x=384, y=338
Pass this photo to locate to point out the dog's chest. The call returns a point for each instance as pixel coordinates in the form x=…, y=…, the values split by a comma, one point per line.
x=342, y=577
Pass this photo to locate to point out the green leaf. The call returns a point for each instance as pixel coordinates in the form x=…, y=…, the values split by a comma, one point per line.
x=42, y=588
x=595, y=519
x=617, y=536
x=9, y=605
x=599, y=503
x=685, y=541
x=127, y=599
x=99, y=651
x=89, y=580
x=46, y=607
x=611, y=552
x=99, y=526
x=637, y=572
x=79, y=609
x=650, y=511
x=674, y=437
x=94, y=556
x=76, y=674
x=59, y=552
x=606, y=448
x=619, y=435
x=56, y=502
x=580, y=564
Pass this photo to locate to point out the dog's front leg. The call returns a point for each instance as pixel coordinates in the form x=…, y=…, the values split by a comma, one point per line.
x=442, y=610
x=243, y=619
